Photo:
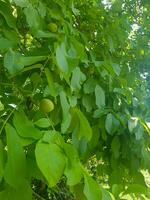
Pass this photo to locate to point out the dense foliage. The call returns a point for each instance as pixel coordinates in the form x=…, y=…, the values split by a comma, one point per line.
x=74, y=99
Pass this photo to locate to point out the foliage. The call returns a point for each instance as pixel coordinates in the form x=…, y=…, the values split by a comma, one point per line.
x=90, y=59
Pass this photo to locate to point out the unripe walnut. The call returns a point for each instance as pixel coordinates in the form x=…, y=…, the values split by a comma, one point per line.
x=46, y=105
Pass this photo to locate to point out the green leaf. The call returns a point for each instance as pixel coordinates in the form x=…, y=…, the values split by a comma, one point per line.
x=92, y=190
x=12, y=62
x=66, y=114
x=15, y=170
x=100, y=96
x=84, y=130
x=15, y=62
x=116, y=68
x=73, y=170
x=61, y=58
x=132, y=123
x=77, y=79
x=32, y=16
x=24, y=127
x=53, y=137
x=1, y=106
x=115, y=146
x=6, y=11
x=21, y=3
x=1, y=160
x=24, y=192
x=111, y=124
x=138, y=189
x=43, y=123
x=107, y=195
x=89, y=86
x=51, y=161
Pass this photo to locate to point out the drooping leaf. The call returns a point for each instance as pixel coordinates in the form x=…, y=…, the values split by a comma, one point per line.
x=6, y=11
x=1, y=160
x=15, y=62
x=15, y=170
x=25, y=127
x=78, y=77
x=91, y=188
x=73, y=170
x=111, y=124
x=51, y=161
x=61, y=58
x=115, y=146
x=66, y=114
x=100, y=96
x=24, y=192
x=84, y=130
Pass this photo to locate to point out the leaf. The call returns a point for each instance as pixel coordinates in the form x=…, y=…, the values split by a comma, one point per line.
x=115, y=146
x=88, y=102
x=12, y=62
x=138, y=189
x=77, y=79
x=43, y=123
x=21, y=3
x=106, y=195
x=1, y=106
x=89, y=86
x=132, y=123
x=91, y=189
x=78, y=191
x=5, y=44
x=6, y=11
x=73, y=170
x=23, y=193
x=32, y=16
x=111, y=124
x=24, y=127
x=51, y=161
x=15, y=62
x=1, y=160
x=66, y=114
x=15, y=170
x=84, y=130
x=61, y=58
x=116, y=68
x=51, y=85
x=100, y=96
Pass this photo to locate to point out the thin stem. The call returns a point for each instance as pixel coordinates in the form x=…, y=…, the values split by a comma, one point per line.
x=37, y=195
x=6, y=120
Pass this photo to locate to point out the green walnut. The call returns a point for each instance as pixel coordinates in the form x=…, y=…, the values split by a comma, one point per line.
x=52, y=27
x=46, y=105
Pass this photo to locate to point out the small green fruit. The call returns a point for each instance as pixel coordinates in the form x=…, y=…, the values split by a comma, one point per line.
x=46, y=105
x=52, y=27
